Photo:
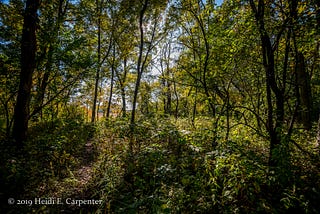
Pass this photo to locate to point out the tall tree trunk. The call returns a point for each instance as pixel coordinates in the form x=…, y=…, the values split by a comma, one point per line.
x=163, y=83
x=177, y=99
x=124, y=105
x=228, y=108
x=168, y=83
x=99, y=102
x=96, y=86
x=318, y=135
x=123, y=91
x=139, y=64
x=28, y=65
x=169, y=111
x=44, y=83
x=205, y=65
x=111, y=85
x=304, y=87
x=274, y=129
x=194, y=109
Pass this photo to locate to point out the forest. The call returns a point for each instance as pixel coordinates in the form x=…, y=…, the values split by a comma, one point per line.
x=159, y=106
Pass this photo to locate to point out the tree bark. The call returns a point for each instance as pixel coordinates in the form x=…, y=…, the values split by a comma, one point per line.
x=274, y=129
x=139, y=64
x=97, y=79
x=205, y=65
x=304, y=88
x=28, y=65
x=122, y=81
x=177, y=99
x=111, y=85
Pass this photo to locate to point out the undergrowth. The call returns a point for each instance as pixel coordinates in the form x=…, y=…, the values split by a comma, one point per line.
x=176, y=167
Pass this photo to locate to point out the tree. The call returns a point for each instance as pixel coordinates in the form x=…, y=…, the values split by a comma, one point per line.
x=274, y=129
x=53, y=16
x=28, y=64
x=166, y=76
x=282, y=42
x=113, y=68
x=124, y=43
x=10, y=53
x=145, y=47
x=99, y=5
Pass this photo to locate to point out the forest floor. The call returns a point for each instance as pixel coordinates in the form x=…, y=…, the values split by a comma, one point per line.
x=76, y=184
x=175, y=168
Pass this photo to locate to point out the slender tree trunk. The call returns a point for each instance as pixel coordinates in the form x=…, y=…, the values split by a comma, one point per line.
x=318, y=135
x=62, y=9
x=205, y=65
x=194, y=110
x=8, y=121
x=177, y=99
x=274, y=129
x=44, y=83
x=122, y=80
x=123, y=91
x=168, y=83
x=98, y=109
x=228, y=114
x=139, y=64
x=169, y=111
x=28, y=65
x=111, y=85
x=87, y=111
x=163, y=83
x=95, y=96
x=124, y=105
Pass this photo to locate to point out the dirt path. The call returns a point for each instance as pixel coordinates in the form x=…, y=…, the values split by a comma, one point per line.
x=76, y=184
